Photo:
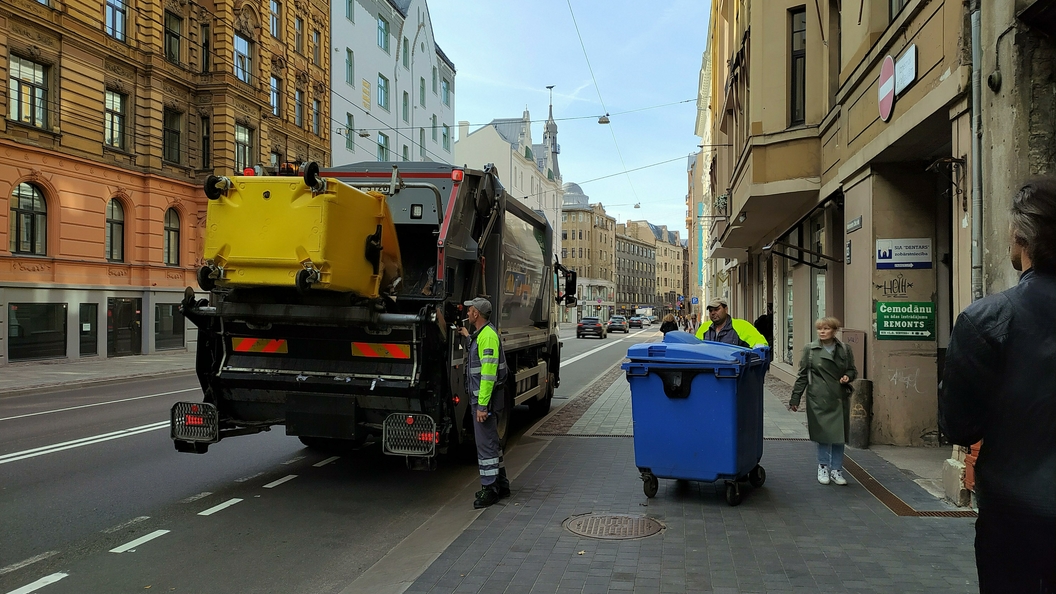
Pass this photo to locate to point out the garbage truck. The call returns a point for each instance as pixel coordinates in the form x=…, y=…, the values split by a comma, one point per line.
x=335, y=299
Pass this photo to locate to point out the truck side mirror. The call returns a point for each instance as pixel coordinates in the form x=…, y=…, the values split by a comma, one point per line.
x=570, y=288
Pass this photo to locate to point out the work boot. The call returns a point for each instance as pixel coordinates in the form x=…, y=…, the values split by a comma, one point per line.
x=487, y=496
x=503, y=484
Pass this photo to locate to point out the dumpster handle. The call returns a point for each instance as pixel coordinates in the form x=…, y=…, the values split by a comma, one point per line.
x=637, y=370
x=727, y=372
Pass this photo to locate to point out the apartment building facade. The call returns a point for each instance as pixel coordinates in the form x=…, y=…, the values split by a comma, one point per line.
x=588, y=241
x=117, y=111
x=841, y=182
x=635, y=270
x=392, y=87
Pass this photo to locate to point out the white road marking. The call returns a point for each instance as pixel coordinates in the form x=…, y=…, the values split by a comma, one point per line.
x=120, y=527
x=142, y=539
x=30, y=561
x=327, y=461
x=248, y=478
x=297, y=459
x=216, y=508
x=76, y=443
x=274, y=484
x=44, y=581
x=194, y=498
x=592, y=351
x=48, y=412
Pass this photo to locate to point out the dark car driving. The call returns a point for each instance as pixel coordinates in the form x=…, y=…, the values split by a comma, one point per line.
x=636, y=322
x=618, y=324
x=590, y=327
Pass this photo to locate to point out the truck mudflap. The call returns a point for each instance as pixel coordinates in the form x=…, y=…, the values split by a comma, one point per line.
x=409, y=434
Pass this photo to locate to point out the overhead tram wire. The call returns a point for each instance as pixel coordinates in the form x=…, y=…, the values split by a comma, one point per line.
x=657, y=164
x=598, y=89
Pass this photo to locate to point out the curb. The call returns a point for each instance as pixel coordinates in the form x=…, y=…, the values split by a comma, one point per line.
x=55, y=387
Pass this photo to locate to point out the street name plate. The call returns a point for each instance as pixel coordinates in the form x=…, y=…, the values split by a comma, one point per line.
x=905, y=320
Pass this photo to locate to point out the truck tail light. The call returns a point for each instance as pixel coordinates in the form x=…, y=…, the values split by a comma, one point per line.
x=457, y=175
x=431, y=437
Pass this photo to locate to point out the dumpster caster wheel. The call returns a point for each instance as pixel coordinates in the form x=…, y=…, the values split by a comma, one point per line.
x=733, y=493
x=650, y=485
x=757, y=476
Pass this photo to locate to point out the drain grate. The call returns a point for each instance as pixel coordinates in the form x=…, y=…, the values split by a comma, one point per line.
x=892, y=501
x=613, y=526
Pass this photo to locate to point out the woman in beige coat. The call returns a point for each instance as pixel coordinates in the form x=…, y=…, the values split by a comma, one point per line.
x=825, y=373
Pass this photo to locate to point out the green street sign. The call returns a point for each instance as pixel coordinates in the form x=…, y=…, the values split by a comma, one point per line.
x=905, y=320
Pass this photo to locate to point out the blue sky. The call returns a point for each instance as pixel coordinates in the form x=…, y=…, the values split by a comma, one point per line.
x=506, y=52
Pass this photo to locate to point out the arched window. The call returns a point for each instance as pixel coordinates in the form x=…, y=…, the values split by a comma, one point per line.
x=172, y=237
x=29, y=221
x=115, y=231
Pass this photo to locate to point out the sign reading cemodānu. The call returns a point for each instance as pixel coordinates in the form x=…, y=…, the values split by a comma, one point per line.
x=905, y=320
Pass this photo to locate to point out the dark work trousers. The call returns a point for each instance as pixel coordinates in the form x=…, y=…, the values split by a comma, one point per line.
x=1015, y=552
x=489, y=454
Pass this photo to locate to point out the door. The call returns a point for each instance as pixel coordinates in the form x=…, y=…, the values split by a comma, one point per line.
x=124, y=326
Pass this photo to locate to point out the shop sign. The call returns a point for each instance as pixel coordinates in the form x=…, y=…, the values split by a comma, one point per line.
x=905, y=320
x=909, y=253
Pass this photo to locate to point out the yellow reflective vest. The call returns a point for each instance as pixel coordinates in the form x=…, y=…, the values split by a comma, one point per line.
x=743, y=330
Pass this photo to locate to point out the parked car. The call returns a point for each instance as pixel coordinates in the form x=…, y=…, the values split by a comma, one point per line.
x=590, y=327
x=635, y=322
x=618, y=323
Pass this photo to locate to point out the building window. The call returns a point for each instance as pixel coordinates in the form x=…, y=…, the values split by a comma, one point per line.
x=171, y=128
x=383, y=34
x=350, y=67
x=317, y=47
x=383, y=147
x=168, y=326
x=243, y=148
x=28, y=99
x=350, y=10
x=207, y=146
x=116, y=19
x=897, y=6
x=298, y=35
x=29, y=221
x=434, y=127
x=434, y=80
x=421, y=92
x=383, y=92
x=445, y=91
x=36, y=331
x=206, y=37
x=243, y=58
x=298, y=108
x=447, y=138
x=350, y=132
x=276, y=94
x=115, y=231
x=406, y=155
x=406, y=53
x=114, y=120
x=799, y=62
x=276, y=19
x=317, y=112
x=421, y=142
x=173, y=31
x=172, y=237
x=406, y=106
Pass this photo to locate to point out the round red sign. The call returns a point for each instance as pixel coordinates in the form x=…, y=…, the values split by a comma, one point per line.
x=886, y=88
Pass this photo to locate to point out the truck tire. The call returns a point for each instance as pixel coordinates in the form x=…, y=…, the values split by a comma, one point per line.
x=541, y=406
x=503, y=420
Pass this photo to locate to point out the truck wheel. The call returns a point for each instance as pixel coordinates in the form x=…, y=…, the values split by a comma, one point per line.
x=503, y=419
x=540, y=406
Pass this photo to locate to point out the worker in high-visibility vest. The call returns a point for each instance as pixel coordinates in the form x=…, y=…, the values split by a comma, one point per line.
x=723, y=328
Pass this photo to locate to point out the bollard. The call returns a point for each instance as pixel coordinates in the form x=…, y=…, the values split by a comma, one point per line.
x=861, y=403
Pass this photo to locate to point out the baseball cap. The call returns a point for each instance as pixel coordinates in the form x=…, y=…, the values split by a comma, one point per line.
x=482, y=305
x=717, y=302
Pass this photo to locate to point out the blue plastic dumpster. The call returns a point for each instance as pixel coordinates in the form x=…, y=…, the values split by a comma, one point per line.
x=697, y=409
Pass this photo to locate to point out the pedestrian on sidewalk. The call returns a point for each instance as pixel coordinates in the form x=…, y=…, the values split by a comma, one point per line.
x=999, y=387
x=669, y=324
x=826, y=371
x=485, y=375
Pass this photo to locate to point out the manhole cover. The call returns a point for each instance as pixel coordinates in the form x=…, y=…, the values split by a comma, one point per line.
x=613, y=526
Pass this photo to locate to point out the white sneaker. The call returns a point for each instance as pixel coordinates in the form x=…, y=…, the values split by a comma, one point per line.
x=837, y=477
x=823, y=475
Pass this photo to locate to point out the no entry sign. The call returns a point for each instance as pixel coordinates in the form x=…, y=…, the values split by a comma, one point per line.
x=886, y=88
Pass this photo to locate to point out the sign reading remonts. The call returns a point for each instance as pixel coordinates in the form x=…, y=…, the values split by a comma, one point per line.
x=905, y=320
x=903, y=253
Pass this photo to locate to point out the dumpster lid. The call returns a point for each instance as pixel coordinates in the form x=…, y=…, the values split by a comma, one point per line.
x=700, y=353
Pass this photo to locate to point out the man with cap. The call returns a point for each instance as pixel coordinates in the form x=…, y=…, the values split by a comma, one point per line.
x=723, y=328
x=485, y=375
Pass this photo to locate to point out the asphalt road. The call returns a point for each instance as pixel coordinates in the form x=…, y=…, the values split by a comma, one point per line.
x=93, y=497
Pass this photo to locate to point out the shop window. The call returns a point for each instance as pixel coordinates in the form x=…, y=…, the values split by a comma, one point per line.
x=168, y=326
x=36, y=331
x=89, y=329
x=789, y=355
x=28, y=221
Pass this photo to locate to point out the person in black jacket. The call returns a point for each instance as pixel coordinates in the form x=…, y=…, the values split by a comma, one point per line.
x=999, y=386
x=669, y=324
